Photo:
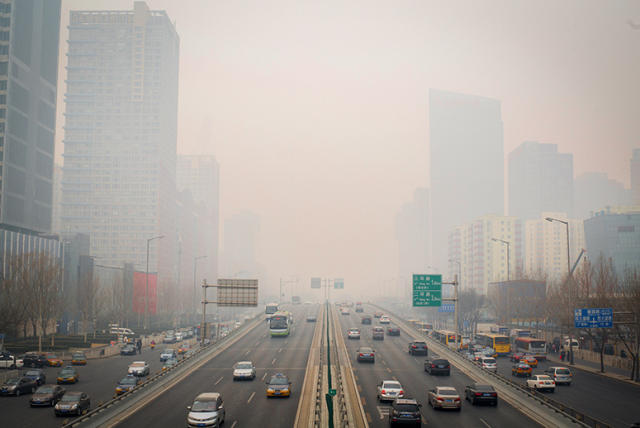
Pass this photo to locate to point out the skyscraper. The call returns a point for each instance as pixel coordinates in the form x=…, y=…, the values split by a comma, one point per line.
x=593, y=191
x=29, y=35
x=412, y=233
x=120, y=136
x=540, y=179
x=635, y=177
x=467, y=163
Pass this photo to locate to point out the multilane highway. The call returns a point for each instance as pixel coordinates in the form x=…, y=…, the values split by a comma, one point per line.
x=394, y=363
x=245, y=402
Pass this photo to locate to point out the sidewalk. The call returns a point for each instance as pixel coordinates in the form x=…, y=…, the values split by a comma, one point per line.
x=589, y=366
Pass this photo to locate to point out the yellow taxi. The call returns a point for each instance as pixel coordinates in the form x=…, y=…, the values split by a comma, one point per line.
x=68, y=375
x=53, y=360
x=183, y=349
x=530, y=360
x=79, y=359
x=278, y=386
x=521, y=369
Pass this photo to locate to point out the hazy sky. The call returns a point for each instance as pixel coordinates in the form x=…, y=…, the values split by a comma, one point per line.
x=317, y=110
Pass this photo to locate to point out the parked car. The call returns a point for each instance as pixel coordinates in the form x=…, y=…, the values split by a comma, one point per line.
x=126, y=384
x=168, y=354
x=37, y=375
x=79, y=359
x=9, y=361
x=444, y=397
x=521, y=370
x=73, y=403
x=489, y=363
x=542, y=383
x=353, y=333
x=561, y=375
x=33, y=359
x=366, y=319
x=68, y=375
x=405, y=411
x=278, y=386
x=418, y=347
x=393, y=331
x=437, y=366
x=366, y=354
x=389, y=390
x=479, y=393
x=244, y=370
x=377, y=333
x=128, y=349
x=207, y=410
x=47, y=395
x=18, y=385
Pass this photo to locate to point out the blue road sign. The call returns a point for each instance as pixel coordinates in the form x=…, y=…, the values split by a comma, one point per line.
x=1, y=336
x=447, y=307
x=593, y=318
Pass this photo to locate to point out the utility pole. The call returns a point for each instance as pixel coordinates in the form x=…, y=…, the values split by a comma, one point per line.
x=195, y=266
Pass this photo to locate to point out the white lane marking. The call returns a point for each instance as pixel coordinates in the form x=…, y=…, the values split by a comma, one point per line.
x=273, y=361
x=218, y=381
x=257, y=343
x=485, y=423
x=233, y=425
x=383, y=411
x=247, y=353
x=254, y=393
x=279, y=350
x=264, y=375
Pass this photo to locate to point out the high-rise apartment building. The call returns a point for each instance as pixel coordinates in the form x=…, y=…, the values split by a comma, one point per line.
x=478, y=251
x=545, y=255
x=200, y=176
x=467, y=163
x=119, y=184
x=29, y=35
x=594, y=191
x=540, y=179
x=635, y=177
x=412, y=234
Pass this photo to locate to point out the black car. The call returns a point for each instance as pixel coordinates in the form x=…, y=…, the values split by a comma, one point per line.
x=17, y=386
x=366, y=319
x=418, y=348
x=405, y=411
x=311, y=318
x=35, y=360
x=73, y=403
x=393, y=331
x=479, y=393
x=359, y=309
x=47, y=395
x=128, y=349
x=437, y=366
x=37, y=375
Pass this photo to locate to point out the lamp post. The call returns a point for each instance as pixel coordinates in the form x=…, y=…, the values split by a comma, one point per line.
x=146, y=294
x=507, y=243
x=195, y=264
x=456, y=314
x=566, y=224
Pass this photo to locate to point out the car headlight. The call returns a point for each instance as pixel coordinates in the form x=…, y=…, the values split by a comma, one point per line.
x=270, y=390
x=75, y=406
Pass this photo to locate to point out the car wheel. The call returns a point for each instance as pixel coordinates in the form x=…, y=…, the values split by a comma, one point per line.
x=17, y=393
x=473, y=401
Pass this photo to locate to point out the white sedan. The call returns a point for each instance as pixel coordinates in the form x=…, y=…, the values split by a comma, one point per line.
x=139, y=368
x=353, y=333
x=389, y=390
x=541, y=383
x=244, y=370
x=384, y=319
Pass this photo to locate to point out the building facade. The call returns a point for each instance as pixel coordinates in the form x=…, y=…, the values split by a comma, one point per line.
x=120, y=137
x=545, y=255
x=634, y=168
x=540, y=179
x=467, y=163
x=412, y=234
x=478, y=255
x=614, y=234
x=594, y=191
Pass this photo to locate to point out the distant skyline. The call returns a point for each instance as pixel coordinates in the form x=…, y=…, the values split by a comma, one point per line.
x=318, y=112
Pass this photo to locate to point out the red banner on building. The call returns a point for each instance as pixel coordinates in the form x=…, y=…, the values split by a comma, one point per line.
x=139, y=292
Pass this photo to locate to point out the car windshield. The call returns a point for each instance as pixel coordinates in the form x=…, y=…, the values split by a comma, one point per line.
x=244, y=366
x=12, y=381
x=279, y=380
x=392, y=385
x=354, y=330
x=52, y=357
x=128, y=381
x=32, y=373
x=204, y=406
x=406, y=408
x=78, y=356
x=70, y=397
x=523, y=366
x=44, y=390
x=67, y=372
x=563, y=371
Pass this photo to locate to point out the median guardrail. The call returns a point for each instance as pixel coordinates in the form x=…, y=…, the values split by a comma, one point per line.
x=573, y=416
x=310, y=404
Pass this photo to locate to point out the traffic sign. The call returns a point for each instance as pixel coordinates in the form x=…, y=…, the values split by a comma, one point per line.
x=332, y=392
x=447, y=307
x=593, y=318
x=427, y=290
x=316, y=283
x=338, y=283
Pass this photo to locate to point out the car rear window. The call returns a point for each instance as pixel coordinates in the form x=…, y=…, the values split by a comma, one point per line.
x=487, y=388
x=563, y=371
x=392, y=385
x=441, y=362
x=489, y=361
x=406, y=408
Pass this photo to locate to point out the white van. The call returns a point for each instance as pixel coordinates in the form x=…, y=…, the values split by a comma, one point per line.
x=121, y=331
x=567, y=344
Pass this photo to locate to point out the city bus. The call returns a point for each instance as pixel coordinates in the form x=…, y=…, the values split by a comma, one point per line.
x=280, y=324
x=535, y=347
x=499, y=342
x=445, y=337
x=271, y=309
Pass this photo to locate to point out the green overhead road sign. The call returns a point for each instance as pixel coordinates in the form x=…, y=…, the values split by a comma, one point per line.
x=427, y=290
x=338, y=283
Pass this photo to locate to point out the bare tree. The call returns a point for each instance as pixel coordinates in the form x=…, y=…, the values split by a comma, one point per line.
x=88, y=289
x=13, y=300
x=629, y=304
x=470, y=304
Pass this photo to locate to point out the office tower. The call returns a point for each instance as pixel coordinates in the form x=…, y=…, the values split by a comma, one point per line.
x=412, y=233
x=540, y=179
x=545, y=255
x=467, y=163
x=614, y=235
x=635, y=177
x=594, y=191
x=477, y=253
x=120, y=136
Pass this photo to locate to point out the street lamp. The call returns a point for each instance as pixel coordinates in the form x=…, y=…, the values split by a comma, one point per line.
x=146, y=294
x=507, y=243
x=195, y=264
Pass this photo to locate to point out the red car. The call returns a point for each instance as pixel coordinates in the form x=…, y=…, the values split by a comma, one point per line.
x=516, y=356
